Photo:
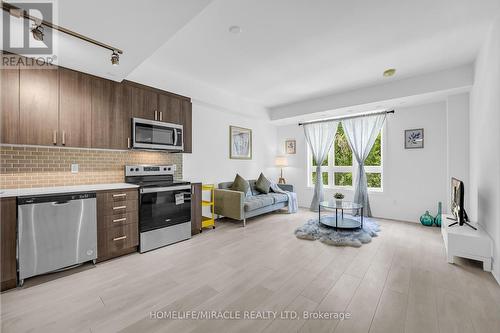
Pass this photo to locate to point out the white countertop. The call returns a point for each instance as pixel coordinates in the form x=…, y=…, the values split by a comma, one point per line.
x=18, y=192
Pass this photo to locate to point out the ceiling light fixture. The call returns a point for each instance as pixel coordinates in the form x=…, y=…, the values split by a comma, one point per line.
x=389, y=72
x=234, y=29
x=37, y=32
x=115, y=58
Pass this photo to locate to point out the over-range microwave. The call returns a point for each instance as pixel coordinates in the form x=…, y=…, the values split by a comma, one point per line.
x=156, y=135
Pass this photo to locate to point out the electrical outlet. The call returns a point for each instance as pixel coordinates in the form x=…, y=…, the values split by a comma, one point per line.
x=74, y=168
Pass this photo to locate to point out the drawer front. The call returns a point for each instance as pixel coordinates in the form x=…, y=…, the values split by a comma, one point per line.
x=110, y=208
x=118, y=196
x=111, y=221
x=116, y=239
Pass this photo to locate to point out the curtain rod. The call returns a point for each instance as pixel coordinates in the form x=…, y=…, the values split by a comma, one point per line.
x=345, y=117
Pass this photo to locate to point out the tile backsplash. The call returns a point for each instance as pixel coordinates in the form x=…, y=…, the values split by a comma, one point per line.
x=30, y=166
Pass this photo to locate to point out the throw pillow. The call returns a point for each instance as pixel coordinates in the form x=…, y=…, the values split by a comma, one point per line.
x=240, y=184
x=263, y=184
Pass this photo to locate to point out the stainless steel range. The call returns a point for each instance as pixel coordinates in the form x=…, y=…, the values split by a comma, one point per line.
x=165, y=205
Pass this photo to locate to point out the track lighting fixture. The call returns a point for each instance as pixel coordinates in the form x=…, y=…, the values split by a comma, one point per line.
x=115, y=59
x=37, y=32
x=39, y=24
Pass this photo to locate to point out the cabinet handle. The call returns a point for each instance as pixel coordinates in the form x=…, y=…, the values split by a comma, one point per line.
x=161, y=115
x=54, y=137
x=156, y=114
x=128, y=143
x=120, y=207
x=64, y=138
x=119, y=195
x=120, y=220
x=119, y=238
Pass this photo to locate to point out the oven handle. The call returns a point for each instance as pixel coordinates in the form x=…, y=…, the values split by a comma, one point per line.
x=165, y=189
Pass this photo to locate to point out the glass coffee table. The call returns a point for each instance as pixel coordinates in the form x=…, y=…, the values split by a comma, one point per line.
x=339, y=221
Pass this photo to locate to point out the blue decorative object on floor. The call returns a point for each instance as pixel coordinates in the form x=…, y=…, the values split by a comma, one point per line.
x=313, y=230
x=437, y=219
x=427, y=219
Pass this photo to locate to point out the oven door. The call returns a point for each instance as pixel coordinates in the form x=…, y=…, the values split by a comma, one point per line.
x=150, y=134
x=164, y=207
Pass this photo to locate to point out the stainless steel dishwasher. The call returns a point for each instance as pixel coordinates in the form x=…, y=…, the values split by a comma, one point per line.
x=55, y=232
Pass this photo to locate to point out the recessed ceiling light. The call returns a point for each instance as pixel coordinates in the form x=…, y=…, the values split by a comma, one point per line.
x=235, y=29
x=389, y=72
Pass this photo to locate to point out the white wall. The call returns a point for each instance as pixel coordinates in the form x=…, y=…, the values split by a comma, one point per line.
x=485, y=141
x=457, y=116
x=210, y=162
x=414, y=180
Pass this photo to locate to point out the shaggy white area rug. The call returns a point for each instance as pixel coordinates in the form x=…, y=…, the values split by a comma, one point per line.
x=313, y=230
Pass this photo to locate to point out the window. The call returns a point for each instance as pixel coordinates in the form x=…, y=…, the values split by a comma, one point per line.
x=338, y=169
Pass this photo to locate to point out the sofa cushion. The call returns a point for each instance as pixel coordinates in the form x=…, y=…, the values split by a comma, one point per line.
x=279, y=197
x=258, y=201
x=263, y=185
x=241, y=184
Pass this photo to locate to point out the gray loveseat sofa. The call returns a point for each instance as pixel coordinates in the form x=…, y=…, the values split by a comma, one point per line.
x=238, y=206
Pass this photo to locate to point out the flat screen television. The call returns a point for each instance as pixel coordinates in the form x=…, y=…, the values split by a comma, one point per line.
x=457, y=203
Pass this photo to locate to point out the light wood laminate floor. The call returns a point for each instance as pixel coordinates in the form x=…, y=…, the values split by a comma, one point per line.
x=400, y=282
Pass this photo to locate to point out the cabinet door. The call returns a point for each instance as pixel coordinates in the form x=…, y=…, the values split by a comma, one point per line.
x=110, y=120
x=38, y=106
x=187, y=122
x=170, y=108
x=196, y=209
x=141, y=103
x=8, y=242
x=9, y=90
x=75, y=121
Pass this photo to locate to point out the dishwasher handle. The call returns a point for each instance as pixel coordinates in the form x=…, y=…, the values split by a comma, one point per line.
x=59, y=203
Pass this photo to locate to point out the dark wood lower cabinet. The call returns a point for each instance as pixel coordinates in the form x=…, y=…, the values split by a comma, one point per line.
x=117, y=223
x=8, y=209
x=196, y=194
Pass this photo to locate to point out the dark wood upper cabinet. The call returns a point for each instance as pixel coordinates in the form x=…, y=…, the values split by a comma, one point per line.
x=53, y=106
x=187, y=122
x=75, y=109
x=9, y=98
x=8, y=242
x=170, y=108
x=39, y=106
x=110, y=118
x=141, y=103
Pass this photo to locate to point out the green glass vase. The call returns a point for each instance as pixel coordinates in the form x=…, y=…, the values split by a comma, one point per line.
x=437, y=219
x=427, y=219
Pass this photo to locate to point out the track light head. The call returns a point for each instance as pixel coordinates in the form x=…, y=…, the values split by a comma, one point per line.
x=37, y=32
x=115, y=59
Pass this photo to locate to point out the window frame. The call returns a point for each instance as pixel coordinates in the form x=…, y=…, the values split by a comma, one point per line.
x=332, y=169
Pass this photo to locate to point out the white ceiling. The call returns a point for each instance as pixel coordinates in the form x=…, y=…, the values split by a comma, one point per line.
x=293, y=50
x=289, y=50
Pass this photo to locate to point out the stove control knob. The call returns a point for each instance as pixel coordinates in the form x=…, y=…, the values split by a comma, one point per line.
x=131, y=169
x=136, y=169
x=164, y=169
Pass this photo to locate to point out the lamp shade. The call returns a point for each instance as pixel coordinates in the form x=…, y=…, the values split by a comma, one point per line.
x=281, y=161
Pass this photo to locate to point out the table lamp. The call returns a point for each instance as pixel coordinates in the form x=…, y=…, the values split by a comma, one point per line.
x=281, y=162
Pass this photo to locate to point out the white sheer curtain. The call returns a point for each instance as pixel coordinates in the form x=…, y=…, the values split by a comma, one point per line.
x=320, y=137
x=361, y=134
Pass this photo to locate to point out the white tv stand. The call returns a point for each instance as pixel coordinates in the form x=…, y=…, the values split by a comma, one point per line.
x=465, y=242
